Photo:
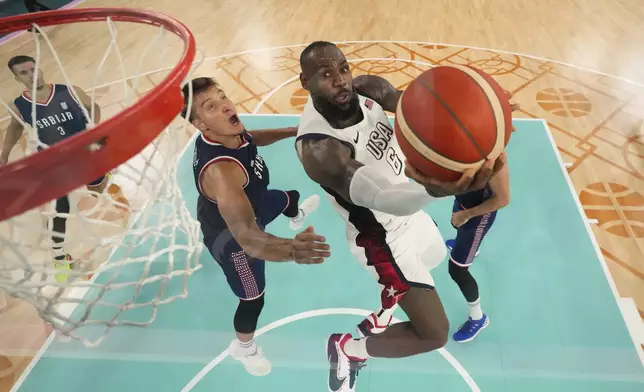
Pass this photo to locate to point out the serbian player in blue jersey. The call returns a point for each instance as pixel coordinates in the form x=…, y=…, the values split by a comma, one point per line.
x=235, y=205
x=58, y=116
x=473, y=216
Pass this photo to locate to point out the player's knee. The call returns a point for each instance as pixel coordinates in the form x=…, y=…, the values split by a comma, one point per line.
x=459, y=274
x=440, y=331
x=247, y=314
x=435, y=336
x=453, y=270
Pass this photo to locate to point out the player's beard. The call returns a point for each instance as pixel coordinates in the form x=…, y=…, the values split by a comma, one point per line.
x=331, y=108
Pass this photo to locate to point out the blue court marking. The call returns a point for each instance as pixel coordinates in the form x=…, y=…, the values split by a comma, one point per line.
x=555, y=324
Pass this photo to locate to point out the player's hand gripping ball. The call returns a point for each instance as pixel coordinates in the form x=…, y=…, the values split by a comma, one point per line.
x=470, y=180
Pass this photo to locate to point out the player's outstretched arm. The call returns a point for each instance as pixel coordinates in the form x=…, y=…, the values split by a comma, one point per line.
x=12, y=136
x=328, y=162
x=265, y=137
x=224, y=183
x=378, y=89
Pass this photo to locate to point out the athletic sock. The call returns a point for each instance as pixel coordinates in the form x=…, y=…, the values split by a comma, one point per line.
x=476, y=313
x=293, y=209
x=248, y=348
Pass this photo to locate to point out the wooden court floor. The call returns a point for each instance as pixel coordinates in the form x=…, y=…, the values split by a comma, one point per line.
x=541, y=51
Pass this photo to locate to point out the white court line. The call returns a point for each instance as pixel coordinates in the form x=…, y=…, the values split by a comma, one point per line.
x=635, y=323
x=325, y=312
x=80, y=292
x=292, y=79
x=253, y=51
x=272, y=92
x=579, y=67
x=591, y=235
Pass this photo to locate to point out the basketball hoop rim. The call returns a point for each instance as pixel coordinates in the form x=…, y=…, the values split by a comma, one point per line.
x=49, y=174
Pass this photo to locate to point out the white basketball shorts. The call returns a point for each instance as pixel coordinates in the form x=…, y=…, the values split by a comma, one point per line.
x=403, y=258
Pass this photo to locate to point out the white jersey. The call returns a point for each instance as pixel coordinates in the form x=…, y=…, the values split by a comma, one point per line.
x=412, y=244
x=373, y=143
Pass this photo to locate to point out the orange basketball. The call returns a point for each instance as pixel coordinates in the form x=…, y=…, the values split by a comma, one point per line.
x=452, y=118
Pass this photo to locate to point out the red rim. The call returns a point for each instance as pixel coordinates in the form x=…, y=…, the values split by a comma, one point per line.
x=32, y=181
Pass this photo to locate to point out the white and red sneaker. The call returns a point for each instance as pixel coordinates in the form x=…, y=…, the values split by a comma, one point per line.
x=343, y=369
x=372, y=326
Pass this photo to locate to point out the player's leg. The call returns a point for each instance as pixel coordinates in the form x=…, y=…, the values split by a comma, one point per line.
x=465, y=248
x=450, y=243
x=58, y=227
x=424, y=235
x=403, y=267
x=426, y=330
x=246, y=278
x=278, y=202
x=406, y=281
x=377, y=322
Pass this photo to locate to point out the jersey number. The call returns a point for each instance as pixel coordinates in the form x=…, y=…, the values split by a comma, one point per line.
x=378, y=146
x=61, y=130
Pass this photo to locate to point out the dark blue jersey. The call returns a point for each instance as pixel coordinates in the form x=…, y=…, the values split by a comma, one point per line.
x=59, y=117
x=475, y=198
x=208, y=152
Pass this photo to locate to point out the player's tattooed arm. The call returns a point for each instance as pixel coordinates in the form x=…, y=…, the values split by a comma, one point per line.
x=87, y=103
x=329, y=163
x=224, y=182
x=378, y=89
x=12, y=136
x=265, y=137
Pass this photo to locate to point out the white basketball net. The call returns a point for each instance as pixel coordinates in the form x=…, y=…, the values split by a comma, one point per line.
x=134, y=245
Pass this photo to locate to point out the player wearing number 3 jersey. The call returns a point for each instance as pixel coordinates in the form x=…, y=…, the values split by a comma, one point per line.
x=58, y=115
x=347, y=145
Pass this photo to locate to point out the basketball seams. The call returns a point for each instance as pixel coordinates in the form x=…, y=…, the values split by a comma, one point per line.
x=439, y=159
x=495, y=104
x=455, y=117
x=426, y=151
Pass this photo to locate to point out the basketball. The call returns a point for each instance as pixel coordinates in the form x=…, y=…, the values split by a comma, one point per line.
x=451, y=118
